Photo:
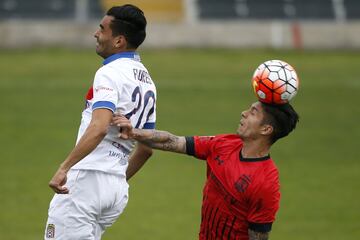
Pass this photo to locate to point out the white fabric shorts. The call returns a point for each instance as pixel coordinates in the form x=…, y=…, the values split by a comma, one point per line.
x=95, y=201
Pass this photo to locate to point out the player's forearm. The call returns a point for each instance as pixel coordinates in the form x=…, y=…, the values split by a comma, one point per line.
x=141, y=154
x=258, y=235
x=88, y=142
x=160, y=140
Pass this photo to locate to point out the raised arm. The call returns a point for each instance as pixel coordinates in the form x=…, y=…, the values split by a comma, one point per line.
x=152, y=138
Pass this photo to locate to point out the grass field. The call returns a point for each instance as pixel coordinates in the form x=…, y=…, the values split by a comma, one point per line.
x=200, y=92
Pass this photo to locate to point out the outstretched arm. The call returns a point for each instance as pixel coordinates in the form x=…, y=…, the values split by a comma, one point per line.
x=152, y=138
x=160, y=140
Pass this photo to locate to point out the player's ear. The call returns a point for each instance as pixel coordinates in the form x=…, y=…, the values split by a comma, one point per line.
x=120, y=41
x=266, y=130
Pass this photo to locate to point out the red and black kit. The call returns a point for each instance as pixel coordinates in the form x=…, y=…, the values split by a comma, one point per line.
x=239, y=193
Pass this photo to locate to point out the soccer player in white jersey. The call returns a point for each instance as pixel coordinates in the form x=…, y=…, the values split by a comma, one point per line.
x=91, y=184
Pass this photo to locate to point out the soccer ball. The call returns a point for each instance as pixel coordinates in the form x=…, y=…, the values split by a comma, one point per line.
x=275, y=82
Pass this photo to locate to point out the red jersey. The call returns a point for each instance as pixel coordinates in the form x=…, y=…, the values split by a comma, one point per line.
x=239, y=193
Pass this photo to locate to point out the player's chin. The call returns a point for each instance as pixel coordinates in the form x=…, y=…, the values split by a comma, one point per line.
x=98, y=49
x=238, y=131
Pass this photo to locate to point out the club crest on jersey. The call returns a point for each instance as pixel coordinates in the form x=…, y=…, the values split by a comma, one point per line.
x=50, y=231
x=219, y=160
x=243, y=183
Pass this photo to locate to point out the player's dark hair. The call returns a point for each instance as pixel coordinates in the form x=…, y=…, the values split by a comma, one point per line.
x=283, y=118
x=130, y=22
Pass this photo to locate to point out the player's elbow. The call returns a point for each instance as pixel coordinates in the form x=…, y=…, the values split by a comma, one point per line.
x=148, y=152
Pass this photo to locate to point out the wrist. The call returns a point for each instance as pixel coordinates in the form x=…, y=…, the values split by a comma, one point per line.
x=136, y=134
x=64, y=167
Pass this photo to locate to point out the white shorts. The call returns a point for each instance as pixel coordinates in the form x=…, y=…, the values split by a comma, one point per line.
x=95, y=201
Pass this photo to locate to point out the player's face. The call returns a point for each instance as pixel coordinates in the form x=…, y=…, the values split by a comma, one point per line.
x=251, y=122
x=105, y=42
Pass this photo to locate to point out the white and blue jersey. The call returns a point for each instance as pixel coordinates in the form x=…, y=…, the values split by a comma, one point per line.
x=123, y=85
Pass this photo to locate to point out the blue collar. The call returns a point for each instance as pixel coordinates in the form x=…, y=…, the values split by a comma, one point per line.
x=133, y=55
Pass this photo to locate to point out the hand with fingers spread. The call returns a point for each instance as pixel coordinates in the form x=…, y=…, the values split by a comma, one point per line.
x=124, y=124
x=58, y=181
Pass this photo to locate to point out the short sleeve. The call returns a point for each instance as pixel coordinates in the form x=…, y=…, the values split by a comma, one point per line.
x=264, y=205
x=105, y=90
x=199, y=146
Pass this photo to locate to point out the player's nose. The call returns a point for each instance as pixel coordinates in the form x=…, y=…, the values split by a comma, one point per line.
x=243, y=114
x=96, y=34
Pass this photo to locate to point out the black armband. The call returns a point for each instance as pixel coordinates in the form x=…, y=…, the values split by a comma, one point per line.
x=190, y=146
x=260, y=227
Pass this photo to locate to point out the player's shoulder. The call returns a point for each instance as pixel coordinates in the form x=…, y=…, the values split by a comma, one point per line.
x=224, y=142
x=218, y=138
x=123, y=64
x=227, y=138
x=267, y=174
x=106, y=70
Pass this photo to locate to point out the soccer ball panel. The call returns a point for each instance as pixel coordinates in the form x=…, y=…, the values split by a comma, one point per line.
x=267, y=83
x=292, y=95
x=285, y=96
x=264, y=73
x=277, y=98
x=274, y=68
x=293, y=82
x=273, y=76
x=290, y=88
x=288, y=75
x=264, y=93
x=279, y=83
x=282, y=74
x=261, y=94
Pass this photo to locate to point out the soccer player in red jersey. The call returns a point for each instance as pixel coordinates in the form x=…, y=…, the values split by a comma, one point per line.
x=241, y=195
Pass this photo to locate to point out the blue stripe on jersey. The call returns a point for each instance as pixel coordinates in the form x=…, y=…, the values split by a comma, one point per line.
x=133, y=55
x=149, y=125
x=104, y=104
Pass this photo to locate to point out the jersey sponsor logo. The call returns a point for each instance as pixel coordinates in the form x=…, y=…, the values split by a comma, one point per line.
x=120, y=155
x=50, y=231
x=121, y=147
x=103, y=88
x=243, y=183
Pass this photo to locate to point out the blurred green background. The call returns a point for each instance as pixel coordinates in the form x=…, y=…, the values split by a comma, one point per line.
x=200, y=92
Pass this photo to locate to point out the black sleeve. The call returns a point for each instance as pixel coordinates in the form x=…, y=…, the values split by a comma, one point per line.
x=260, y=227
x=190, y=146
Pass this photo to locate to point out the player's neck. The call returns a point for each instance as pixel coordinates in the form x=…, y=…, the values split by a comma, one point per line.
x=121, y=50
x=255, y=149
